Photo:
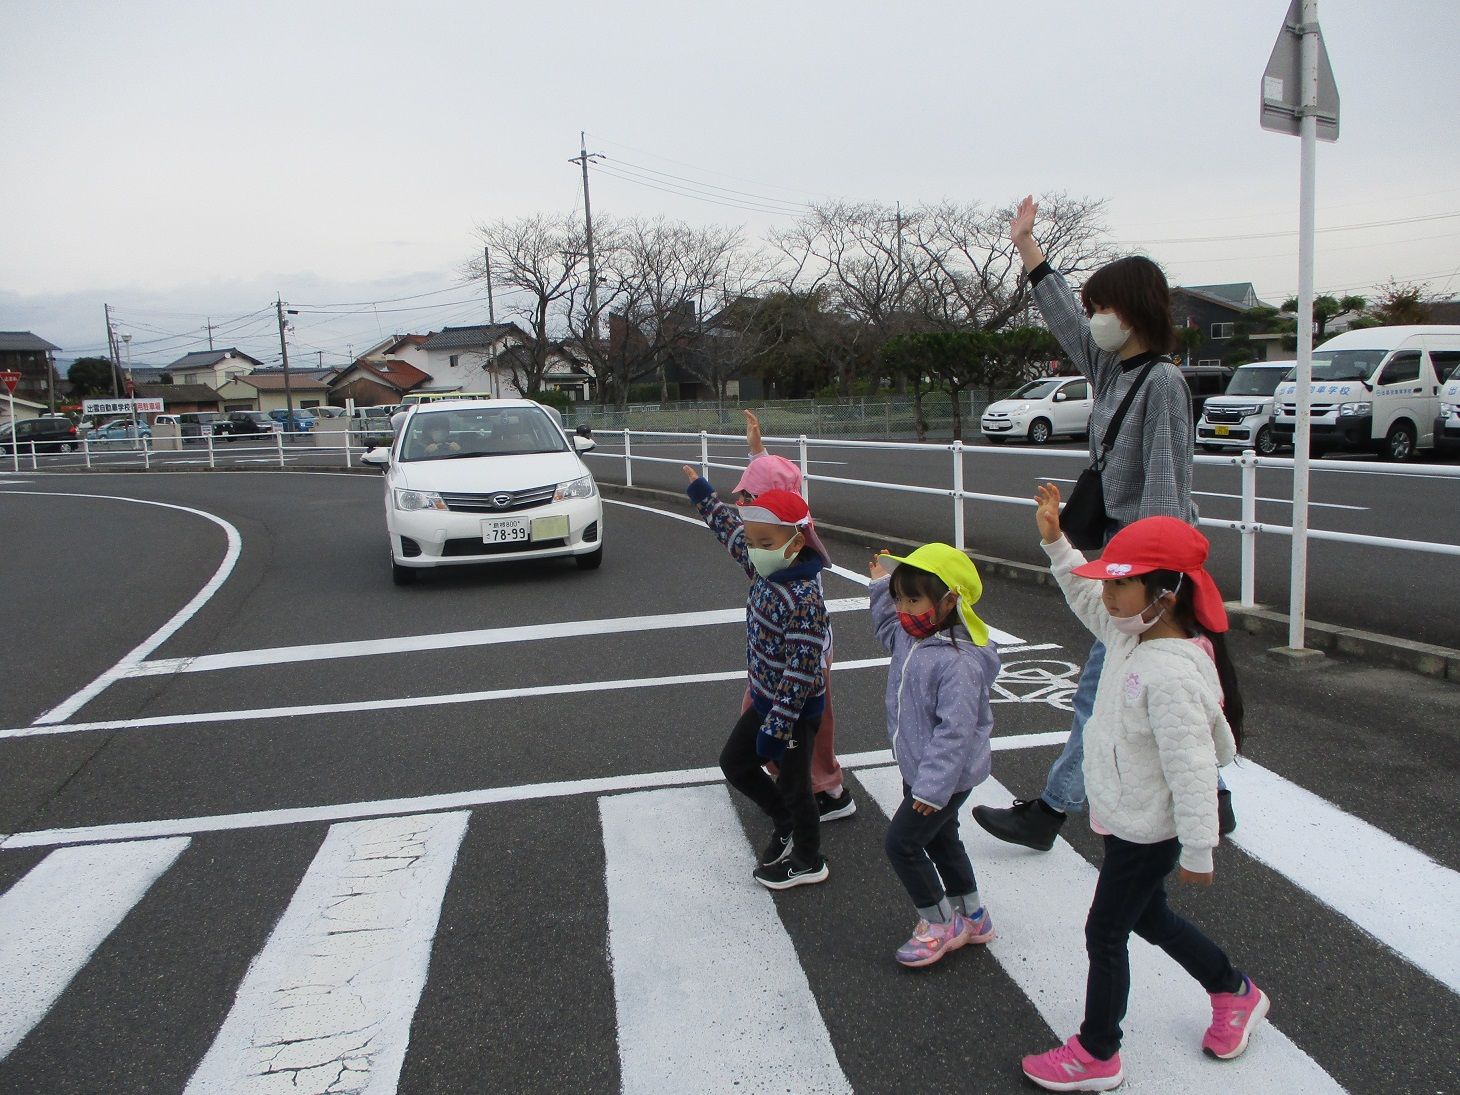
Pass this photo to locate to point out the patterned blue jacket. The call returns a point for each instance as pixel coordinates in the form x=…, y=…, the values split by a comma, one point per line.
x=785, y=624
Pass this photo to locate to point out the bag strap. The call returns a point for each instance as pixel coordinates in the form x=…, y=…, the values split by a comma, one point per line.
x=1118, y=419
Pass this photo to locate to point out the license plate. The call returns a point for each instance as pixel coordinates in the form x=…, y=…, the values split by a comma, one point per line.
x=1221, y=431
x=506, y=531
x=550, y=528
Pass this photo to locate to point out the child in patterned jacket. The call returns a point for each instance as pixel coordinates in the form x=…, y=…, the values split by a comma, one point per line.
x=1152, y=745
x=786, y=626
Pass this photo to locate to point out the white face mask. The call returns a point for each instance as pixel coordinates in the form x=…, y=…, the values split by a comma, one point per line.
x=1108, y=332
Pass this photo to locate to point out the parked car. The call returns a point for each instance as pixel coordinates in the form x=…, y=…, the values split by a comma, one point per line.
x=198, y=424
x=1240, y=418
x=486, y=482
x=120, y=429
x=1205, y=381
x=46, y=434
x=303, y=420
x=245, y=424
x=1051, y=406
x=328, y=412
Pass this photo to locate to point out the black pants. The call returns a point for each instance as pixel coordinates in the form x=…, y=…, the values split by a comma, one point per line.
x=927, y=853
x=1130, y=896
x=787, y=801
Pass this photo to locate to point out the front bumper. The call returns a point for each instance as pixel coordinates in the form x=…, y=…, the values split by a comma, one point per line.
x=1351, y=432
x=433, y=538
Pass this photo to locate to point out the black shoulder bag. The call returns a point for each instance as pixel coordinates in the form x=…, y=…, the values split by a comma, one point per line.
x=1084, y=520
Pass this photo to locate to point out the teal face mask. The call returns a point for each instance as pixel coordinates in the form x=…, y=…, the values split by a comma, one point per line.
x=768, y=561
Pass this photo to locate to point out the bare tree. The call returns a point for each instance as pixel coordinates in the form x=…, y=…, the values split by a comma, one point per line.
x=541, y=258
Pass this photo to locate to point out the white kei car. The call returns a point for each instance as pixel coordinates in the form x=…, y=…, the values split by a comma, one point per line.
x=471, y=481
x=1049, y=407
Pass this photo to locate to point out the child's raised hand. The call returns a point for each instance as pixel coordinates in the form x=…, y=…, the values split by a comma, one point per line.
x=752, y=432
x=1047, y=516
x=875, y=567
x=1197, y=879
x=690, y=473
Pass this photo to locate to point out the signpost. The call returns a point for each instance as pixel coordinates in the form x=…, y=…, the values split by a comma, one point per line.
x=1300, y=98
x=11, y=379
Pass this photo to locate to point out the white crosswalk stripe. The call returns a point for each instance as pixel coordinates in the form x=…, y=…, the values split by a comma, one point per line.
x=708, y=982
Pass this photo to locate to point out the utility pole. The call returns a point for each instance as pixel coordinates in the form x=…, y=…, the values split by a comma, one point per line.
x=284, y=352
x=210, y=332
x=111, y=346
x=491, y=304
x=583, y=159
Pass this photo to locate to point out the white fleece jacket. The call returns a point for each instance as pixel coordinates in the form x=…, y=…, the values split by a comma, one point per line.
x=1157, y=732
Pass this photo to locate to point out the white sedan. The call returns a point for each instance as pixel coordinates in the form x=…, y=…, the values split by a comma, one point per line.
x=469, y=482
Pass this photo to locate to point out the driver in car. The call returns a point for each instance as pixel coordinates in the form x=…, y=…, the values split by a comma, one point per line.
x=438, y=439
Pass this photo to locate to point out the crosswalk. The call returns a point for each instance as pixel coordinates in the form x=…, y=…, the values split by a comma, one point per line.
x=716, y=984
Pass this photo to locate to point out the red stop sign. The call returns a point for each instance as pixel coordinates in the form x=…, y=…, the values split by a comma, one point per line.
x=11, y=379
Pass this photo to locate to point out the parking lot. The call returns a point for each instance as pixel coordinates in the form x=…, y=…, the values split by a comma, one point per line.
x=319, y=832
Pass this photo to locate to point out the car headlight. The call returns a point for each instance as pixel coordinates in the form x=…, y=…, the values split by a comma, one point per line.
x=1347, y=410
x=577, y=488
x=412, y=500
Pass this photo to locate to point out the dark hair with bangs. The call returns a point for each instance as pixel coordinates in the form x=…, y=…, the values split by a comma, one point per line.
x=1158, y=582
x=911, y=581
x=1136, y=288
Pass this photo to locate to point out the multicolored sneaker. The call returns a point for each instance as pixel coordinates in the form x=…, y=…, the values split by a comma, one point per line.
x=1234, y=1016
x=978, y=929
x=1070, y=1068
x=931, y=942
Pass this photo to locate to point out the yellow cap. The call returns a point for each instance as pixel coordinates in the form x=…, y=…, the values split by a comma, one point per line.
x=957, y=573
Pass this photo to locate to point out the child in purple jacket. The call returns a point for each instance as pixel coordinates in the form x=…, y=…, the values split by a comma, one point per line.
x=939, y=720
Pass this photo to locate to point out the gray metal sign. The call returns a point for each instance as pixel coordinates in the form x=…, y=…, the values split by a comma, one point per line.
x=1282, y=91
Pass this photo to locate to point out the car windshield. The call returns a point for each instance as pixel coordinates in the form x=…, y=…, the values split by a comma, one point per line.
x=1036, y=389
x=1342, y=364
x=486, y=431
x=1255, y=381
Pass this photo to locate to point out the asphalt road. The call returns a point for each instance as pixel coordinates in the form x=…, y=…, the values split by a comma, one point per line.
x=531, y=933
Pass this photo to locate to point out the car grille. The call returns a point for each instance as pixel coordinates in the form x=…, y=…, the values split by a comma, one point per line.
x=502, y=501
x=1315, y=409
x=1225, y=415
x=470, y=546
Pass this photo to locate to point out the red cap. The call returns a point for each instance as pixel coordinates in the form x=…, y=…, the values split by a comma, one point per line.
x=1163, y=543
x=780, y=507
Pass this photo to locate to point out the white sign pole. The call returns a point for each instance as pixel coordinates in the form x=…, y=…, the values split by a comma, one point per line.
x=14, y=436
x=1307, y=158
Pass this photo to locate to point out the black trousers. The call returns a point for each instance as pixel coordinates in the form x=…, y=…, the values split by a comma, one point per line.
x=927, y=853
x=788, y=800
x=1130, y=896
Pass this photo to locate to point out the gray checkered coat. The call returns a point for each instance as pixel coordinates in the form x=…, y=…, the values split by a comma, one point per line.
x=1148, y=472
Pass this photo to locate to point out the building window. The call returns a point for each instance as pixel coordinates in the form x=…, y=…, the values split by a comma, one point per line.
x=1210, y=361
x=1222, y=330
x=454, y=359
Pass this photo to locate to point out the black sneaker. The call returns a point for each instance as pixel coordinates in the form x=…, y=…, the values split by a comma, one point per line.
x=1226, y=819
x=787, y=873
x=833, y=807
x=1032, y=824
x=778, y=849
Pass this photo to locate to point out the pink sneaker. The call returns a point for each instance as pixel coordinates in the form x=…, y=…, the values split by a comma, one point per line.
x=978, y=929
x=1234, y=1017
x=1070, y=1068
x=930, y=942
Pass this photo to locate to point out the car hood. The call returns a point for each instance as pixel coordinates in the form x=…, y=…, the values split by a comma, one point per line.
x=1011, y=406
x=1238, y=400
x=484, y=474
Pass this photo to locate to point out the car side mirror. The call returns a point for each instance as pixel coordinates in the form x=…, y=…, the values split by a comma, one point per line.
x=1060, y=397
x=584, y=444
x=377, y=458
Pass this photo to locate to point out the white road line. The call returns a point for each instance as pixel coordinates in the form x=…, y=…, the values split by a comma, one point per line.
x=69, y=707
x=326, y=1006
x=710, y=993
x=1238, y=497
x=356, y=706
x=1038, y=902
x=453, y=640
x=59, y=913
x=452, y=800
x=1400, y=896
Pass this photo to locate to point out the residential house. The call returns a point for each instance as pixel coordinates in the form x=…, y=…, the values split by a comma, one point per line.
x=263, y=390
x=31, y=356
x=405, y=348
x=24, y=408
x=149, y=374
x=566, y=371
x=375, y=383
x=214, y=368
x=177, y=398
x=464, y=359
x=1216, y=311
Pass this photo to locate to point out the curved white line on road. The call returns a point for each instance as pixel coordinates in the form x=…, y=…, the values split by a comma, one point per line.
x=69, y=707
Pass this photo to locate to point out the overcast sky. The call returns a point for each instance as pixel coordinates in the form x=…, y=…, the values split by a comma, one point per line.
x=186, y=160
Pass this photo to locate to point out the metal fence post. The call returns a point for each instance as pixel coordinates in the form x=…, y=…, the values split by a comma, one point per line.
x=958, y=494
x=705, y=453
x=146, y=453
x=279, y=444
x=628, y=459
x=86, y=448
x=348, y=464
x=1248, y=462
x=33, y=464
x=805, y=469
x=212, y=463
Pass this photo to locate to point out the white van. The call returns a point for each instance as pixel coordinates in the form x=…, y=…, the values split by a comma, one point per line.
x=1042, y=409
x=1447, y=425
x=1241, y=417
x=1374, y=390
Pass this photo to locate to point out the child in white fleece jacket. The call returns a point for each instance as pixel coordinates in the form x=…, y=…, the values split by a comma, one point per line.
x=1152, y=746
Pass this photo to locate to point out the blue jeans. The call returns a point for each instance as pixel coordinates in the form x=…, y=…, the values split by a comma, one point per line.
x=1064, y=789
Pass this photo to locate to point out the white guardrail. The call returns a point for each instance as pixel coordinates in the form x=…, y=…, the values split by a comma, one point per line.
x=1247, y=526
x=145, y=451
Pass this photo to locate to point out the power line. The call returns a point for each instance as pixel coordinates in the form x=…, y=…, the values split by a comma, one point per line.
x=625, y=165
x=697, y=197
x=705, y=170
x=1293, y=232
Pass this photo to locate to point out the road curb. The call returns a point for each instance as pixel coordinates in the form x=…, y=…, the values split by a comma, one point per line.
x=1440, y=662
